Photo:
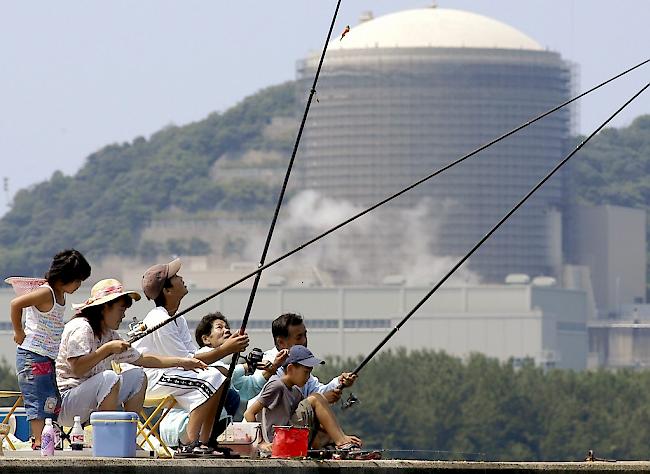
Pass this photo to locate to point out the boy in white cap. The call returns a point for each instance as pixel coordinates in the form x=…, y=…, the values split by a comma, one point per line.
x=281, y=403
x=196, y=392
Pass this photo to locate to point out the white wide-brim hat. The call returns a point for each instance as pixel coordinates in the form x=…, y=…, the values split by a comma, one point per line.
x=104, y=291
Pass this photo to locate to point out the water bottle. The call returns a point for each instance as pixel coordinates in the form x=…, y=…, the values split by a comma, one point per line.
x=47, y=439
x=77, y=435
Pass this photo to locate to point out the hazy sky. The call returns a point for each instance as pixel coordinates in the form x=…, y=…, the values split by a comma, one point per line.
x=78, y=75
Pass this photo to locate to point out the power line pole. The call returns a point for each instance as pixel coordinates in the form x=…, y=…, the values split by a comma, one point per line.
x=5, y=181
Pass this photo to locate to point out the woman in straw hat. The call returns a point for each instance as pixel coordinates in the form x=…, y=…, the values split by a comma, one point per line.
x=90, y=342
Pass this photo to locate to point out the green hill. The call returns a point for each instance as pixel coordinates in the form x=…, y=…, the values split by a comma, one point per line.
x=102, y=209
x=614, y=168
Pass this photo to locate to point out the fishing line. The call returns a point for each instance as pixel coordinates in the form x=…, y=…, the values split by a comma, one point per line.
x=267, y=243
x=494, y=229
x=380, y=203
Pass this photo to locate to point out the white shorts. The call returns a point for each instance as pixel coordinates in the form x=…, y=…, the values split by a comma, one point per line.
x=84, y=399
x=190, y=388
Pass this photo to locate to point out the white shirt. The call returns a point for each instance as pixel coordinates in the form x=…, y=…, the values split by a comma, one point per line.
x=173, y=339
x=79, y=340
x=43, y=330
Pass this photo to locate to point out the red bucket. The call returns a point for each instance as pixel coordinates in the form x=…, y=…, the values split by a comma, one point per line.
x=290, y=442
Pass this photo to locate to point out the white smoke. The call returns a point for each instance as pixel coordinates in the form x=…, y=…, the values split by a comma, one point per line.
x=419, y=265
x=382, y=243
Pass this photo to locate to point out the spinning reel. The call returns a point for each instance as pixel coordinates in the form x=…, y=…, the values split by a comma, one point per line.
x=136, y=327
x=350, y=402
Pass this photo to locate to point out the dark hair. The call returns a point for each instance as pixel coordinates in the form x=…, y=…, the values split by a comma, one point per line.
x=68, y=266
x=204, y=328
x=280, y=325
x=160, y=299
x=93, y=314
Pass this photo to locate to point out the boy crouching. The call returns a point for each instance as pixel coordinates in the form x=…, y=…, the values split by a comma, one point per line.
x=281, y=404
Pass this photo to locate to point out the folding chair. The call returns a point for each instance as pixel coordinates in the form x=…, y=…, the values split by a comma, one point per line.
x=148, y=425
x=19, y=399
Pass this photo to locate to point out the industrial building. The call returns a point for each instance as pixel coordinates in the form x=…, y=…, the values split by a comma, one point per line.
x=406, y=93
x=399, y=97
x=515, y=321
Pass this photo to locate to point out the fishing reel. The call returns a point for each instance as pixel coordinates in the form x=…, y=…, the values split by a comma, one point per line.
x=254, y=358
x=350, y=402
x=136, y=327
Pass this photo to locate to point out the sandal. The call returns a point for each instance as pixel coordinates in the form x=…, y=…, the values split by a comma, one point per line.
x=358, y=455
x=223, y=451
x=185, y=450
x=194, y=450
x=351, y=446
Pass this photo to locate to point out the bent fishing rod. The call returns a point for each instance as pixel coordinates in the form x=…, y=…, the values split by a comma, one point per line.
x=269, y=235
x=404, y=320
x=441, y=170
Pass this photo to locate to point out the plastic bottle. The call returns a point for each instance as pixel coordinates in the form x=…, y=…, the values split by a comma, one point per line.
x=77, y=435
x=47, y=439
x=58, y=436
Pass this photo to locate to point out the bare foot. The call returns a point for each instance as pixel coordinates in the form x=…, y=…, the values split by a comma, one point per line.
x=265, y=447
x=349, y=442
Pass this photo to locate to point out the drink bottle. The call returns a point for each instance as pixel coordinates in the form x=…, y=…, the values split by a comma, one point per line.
x=48, y=439
x=77, y=435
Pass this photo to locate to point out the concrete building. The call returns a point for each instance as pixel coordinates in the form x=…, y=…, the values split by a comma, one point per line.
x=547, y=324
x=611, y=241
x=406, y=93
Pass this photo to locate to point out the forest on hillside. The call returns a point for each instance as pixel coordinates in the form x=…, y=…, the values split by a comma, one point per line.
x=103, y=208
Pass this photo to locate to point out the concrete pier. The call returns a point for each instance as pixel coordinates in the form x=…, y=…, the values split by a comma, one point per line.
x=87, y=465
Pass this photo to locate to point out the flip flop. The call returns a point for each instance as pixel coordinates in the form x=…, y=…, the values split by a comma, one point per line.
x=227, y=453
x=348, y=446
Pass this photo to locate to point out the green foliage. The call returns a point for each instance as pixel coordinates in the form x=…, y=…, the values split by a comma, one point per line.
x=103, y=208
x=482, y=409
x=8, y=379
x=614, y=168
x=247, y=195
x=193, y=246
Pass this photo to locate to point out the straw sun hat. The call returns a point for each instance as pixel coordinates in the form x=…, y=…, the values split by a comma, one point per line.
x=104, y=291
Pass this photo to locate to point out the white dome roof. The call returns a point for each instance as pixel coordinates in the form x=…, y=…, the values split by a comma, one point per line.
x=434, y=28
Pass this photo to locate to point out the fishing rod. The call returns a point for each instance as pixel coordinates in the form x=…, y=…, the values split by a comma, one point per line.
x=487, y=236
x=145, y=332
x=269, y=235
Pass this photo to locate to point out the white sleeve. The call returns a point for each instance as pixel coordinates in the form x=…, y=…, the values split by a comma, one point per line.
x=186, y=335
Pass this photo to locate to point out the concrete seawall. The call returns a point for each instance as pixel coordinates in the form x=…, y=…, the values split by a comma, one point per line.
x=84, y=465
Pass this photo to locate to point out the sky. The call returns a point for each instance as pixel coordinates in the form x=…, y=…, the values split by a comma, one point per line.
x=77, y=75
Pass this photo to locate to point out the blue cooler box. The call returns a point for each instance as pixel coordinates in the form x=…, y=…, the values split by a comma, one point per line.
x=114, y=433
x=23, y=429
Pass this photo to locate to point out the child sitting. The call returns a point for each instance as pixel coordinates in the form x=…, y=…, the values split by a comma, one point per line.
x=281, y=403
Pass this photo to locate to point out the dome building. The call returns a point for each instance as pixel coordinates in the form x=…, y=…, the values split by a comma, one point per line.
x=405, y=93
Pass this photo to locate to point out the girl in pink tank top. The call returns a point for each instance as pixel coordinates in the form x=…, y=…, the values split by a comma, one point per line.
x=38, y=341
